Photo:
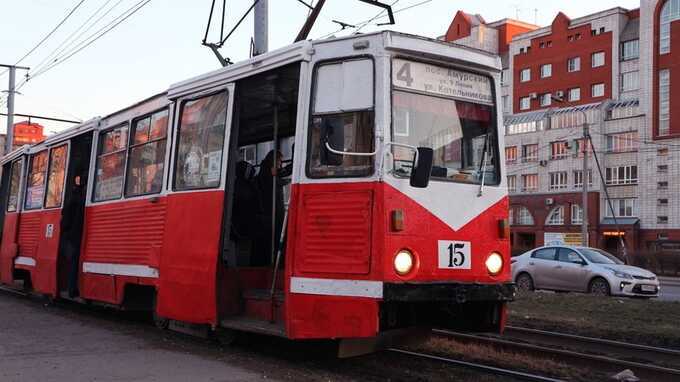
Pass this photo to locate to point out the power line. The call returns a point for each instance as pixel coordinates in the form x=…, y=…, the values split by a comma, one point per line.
x=69, y=41
x=94, y=37
x=49, y=34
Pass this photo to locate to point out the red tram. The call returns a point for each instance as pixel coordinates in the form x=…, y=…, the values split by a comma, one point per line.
x=379, y=203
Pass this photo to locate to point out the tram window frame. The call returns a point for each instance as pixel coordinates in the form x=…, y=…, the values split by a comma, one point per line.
x=131, y=146
x=44, y=180
x=66, y=146
x=358, y=113
x=20, y=163
x=178, y=143
x=99, y=155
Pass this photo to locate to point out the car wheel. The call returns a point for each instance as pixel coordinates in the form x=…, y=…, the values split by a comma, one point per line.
x=599, y=287
x=525, y=283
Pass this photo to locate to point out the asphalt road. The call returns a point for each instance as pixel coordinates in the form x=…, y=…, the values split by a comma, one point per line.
x=670, y=289
x=74, y=343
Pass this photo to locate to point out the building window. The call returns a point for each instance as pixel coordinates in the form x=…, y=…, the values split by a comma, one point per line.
x=556, y=216
x=546, y=99
x=669, y=13
x=576, y=214
x=511, y=154
x=559, y=150
x=597, y=59
x=662, y=220
x=662, y=186
x=622, y=142
x=546, y=70
x=621, y=175
x=523, y=216
x=525, y=103
x=558, y=180
x=664, y=102
x=597, y=90
x=623, y=208
x=512, y=183
x=630, y=81
x=630, y=50
x=530, y=153
x=662, y=202
x=578, y=178
x=574, y=64
x=574, y=94
x=505, y=75
x=662, y=152
x=583, y=148
x=525, y=127
x=525, y=75
x=662, y=169
x=530, y=182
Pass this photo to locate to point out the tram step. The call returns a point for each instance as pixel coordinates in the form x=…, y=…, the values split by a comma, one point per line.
x=258, y=305
x=253, y=325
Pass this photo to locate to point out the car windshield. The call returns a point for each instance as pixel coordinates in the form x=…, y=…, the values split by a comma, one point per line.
x=599, y=257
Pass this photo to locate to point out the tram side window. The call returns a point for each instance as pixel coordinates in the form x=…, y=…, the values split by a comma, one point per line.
x=201, y=140
x=13, y=200
x=108, y=182
x=342, y=119
x=35, y=188
x=147, y=155
x=55, y=179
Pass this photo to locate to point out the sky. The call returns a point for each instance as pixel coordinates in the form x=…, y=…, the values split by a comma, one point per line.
x=161, y=43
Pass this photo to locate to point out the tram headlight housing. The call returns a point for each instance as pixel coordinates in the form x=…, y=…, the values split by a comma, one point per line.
x=404, y=262
x=494, y=263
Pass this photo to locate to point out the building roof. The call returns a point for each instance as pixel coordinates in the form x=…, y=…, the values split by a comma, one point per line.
x=631, y=31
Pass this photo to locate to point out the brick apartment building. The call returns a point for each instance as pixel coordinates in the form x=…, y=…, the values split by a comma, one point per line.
x=618, y=68
x=25, y=133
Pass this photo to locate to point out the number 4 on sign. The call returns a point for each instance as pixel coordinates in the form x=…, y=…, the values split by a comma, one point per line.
x=404, y=74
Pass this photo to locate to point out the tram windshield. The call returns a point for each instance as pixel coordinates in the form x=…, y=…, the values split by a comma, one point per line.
x=462, y=132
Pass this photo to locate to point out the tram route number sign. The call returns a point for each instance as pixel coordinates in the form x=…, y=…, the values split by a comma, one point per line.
x=455, y=254
x=441, y=81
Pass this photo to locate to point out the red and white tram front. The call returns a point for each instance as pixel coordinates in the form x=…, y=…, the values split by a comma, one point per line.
x=399, y=217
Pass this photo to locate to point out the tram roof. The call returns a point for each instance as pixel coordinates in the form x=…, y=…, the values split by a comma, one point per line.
x=303, y=51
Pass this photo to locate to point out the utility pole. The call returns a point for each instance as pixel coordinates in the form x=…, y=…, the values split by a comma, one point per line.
x=261, y=32
x=584, y=173
x=10, y=104
x=584, y=204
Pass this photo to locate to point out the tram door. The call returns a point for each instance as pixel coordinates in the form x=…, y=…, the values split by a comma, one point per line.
x=73, y=214
x=4, y=191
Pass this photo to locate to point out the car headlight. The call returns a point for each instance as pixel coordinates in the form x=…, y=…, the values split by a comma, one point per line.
x=623, y=275
x=494, y=263
x=403, y=262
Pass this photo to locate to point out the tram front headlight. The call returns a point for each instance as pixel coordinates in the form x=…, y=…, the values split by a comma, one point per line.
x=403, y=262
x=494, y=263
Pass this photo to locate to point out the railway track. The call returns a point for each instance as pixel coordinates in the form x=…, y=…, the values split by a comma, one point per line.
x=605, y=356
x=498, y=371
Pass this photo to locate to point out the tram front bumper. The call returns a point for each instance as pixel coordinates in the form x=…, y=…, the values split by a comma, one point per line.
x=449, y=292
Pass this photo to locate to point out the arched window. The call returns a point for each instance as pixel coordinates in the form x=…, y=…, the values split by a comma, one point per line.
x=556, y=216
x=521, y=216
x=669, y=13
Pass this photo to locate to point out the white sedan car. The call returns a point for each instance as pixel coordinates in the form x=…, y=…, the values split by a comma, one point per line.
x=581, y=269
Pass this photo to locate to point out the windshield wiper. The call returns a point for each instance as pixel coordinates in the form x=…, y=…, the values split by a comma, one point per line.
x=482, y=166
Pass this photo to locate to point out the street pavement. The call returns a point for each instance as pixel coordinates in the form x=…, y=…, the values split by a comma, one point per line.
x=47, y=343
x=670, y=289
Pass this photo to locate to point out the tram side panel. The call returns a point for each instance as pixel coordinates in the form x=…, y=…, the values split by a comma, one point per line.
x=334, y=274
x=39, y=241
x=122, y=245
x=188, y=267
